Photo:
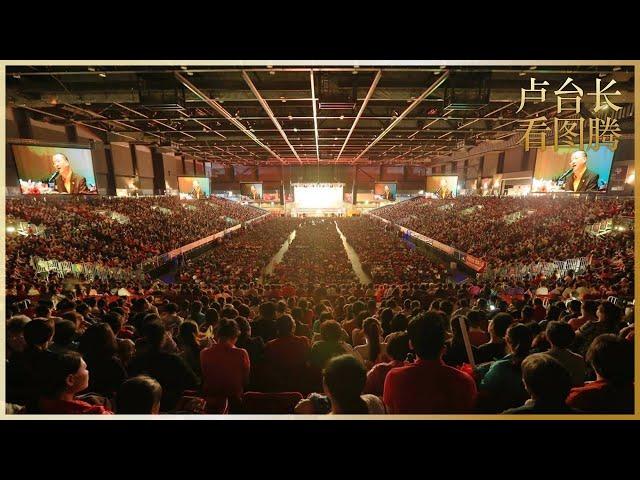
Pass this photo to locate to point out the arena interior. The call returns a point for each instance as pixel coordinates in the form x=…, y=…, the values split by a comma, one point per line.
x=322, y=240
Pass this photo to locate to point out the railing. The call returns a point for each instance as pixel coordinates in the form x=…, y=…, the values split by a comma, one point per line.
x=88, y=269
x=614, y=224
x=470, y=261
x=519, y=271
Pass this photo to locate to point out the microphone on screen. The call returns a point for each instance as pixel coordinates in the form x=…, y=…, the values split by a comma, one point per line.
x=565, y=175
x=53, y=176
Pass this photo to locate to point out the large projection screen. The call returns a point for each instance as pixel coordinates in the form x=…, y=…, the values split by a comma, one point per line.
x=318, y=196
x=51, y=169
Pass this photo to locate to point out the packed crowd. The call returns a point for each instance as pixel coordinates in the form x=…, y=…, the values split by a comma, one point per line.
x=76, y=232
x=316, y=255
x=385, y=257
x=549, y=229
x=342, y=350
x=314, y=340
x=242, y=258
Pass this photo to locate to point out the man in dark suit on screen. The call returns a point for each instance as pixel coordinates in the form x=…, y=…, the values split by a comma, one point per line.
x=67, y=181
x=197, y=192
x=581, y=179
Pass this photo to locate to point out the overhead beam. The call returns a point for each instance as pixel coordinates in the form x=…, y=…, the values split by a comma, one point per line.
x=315, y=114
x=478, y=119
x=372, y=88
x=432, y=88
x=267, y=109
x=221, y=110
x=78, y=122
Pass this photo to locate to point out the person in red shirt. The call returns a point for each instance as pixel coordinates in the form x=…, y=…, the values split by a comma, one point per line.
x=289, y=290
x=397, y=349
x=428, y=385
x=477, y=336
x=225, y=368
x=66, y=375
x=611, y=357
x=286, y=357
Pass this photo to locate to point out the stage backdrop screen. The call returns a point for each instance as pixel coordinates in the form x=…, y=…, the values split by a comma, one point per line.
x=318, y=196
x=49, y=169
x=551, y=166
x=251, y=192
x=443, y=186
x=194, y=187
x=271, y=196
x=384, y=191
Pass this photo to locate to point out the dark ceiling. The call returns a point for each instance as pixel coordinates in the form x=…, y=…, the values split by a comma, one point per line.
x=266, y=115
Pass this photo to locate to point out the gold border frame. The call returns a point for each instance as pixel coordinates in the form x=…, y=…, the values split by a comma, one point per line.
x=305, y=63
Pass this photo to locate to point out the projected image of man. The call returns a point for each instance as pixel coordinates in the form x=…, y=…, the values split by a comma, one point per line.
x=444, y=191
x=581, y=178
x=196, y=192
x=67, y=181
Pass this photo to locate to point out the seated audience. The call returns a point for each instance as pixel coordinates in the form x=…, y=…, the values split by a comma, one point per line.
x=547, y=383
x=428, y=385
x=612, y=392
